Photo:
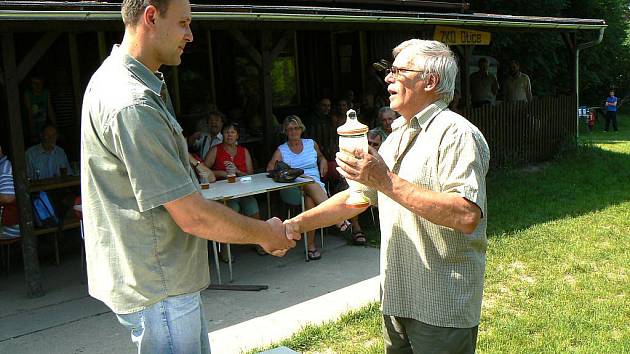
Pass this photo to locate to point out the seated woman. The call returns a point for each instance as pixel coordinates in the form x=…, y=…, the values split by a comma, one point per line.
x=229, y=156
x=304, y=154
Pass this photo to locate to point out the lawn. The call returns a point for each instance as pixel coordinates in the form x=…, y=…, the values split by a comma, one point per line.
x=557, y=262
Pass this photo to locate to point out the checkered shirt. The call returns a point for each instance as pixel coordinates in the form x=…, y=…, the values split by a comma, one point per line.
x=432, y=273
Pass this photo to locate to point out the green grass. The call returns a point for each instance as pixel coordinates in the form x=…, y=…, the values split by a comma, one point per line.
x=355, y=332
x=557, y=264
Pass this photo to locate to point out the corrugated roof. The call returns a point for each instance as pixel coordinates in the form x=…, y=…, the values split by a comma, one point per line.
x=372, y=4
x=97, y=10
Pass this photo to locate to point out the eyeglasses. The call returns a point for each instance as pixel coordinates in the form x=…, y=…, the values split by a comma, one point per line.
x=396, y=71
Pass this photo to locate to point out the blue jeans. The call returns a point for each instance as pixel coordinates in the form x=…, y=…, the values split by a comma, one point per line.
x=173, y=325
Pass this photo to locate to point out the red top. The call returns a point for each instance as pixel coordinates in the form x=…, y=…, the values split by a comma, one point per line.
x=222, y=156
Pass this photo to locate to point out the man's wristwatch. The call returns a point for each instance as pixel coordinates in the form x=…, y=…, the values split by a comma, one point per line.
x=196, y=164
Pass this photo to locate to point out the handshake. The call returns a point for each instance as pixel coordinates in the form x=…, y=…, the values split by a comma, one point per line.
x=281, y=238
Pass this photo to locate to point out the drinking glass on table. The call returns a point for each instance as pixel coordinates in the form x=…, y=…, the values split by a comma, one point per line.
x=230, y=168
x=203, y=179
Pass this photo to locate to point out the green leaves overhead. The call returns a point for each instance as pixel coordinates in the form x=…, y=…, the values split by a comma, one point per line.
x=544, y=56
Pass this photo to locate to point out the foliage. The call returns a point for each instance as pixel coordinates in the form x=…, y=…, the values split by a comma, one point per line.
x=545, y=57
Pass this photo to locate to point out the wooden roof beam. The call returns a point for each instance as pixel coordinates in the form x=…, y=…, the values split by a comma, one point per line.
x=36, y=53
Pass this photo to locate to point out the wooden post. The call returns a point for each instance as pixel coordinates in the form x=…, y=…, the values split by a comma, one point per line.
x=177, y=102
x=251, y=51
x=334, y=64
x=102, y=47
x=570, y=42
x=36, y=53
x=267, y=61
x=264, y=60
x=213, y=92
x=364, y=62
x=29, y=243
x=465, y=78
x=574, y=52
x=76, y=76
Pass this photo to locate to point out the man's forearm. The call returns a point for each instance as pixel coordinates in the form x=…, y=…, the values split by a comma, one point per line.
x=214, y=221
x=330, y=212
x=446, y=209
x=223, y=224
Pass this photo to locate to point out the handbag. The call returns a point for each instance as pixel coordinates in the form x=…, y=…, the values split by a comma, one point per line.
x=43, y=211
x=283, y=173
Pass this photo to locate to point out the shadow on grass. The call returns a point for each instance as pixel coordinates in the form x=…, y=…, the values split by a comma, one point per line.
x=579, y=182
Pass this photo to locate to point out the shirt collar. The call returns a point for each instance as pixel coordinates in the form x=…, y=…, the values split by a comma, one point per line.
x=153, y=80
x=44, y=151
x=423, y=118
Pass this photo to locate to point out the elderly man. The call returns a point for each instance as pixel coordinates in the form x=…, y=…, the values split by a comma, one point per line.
x=46, y=159
x=517, y=87
x=483, y=85
x=429, y=180
x=386, y=116
x=146, y=222
x=375, y=139
x=207, y=141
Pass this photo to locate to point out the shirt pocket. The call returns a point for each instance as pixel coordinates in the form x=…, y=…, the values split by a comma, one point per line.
x=418, y=168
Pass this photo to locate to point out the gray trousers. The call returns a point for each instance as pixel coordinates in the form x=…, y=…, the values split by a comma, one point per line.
x=408, y=336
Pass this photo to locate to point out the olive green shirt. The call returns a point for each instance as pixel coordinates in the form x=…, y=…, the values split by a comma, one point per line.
x=432, y=273
x=134, y=159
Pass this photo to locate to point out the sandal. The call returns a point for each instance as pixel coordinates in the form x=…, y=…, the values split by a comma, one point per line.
x=358, y=238
x=345, y=225
x=314, y=254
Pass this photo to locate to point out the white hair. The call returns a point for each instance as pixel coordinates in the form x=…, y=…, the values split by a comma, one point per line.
x=386, y=109
x=437, y=59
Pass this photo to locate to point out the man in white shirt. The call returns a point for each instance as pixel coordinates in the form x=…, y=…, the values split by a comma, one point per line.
x=46, y=159
x=517, y=86
x=205, y=142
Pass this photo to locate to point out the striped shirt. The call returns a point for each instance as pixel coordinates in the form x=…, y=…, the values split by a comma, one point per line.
x=6, y=188
x=205, y=143
x=432, y=273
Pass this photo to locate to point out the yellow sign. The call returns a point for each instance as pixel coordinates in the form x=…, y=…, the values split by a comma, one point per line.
x=460, y=36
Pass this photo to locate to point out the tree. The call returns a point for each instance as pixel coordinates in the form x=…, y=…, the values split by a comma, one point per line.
x=544, y=55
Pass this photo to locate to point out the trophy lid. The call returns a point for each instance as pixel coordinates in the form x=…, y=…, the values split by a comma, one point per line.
x=352, y=126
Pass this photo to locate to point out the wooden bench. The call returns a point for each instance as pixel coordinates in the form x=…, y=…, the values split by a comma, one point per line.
x=70, y=221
